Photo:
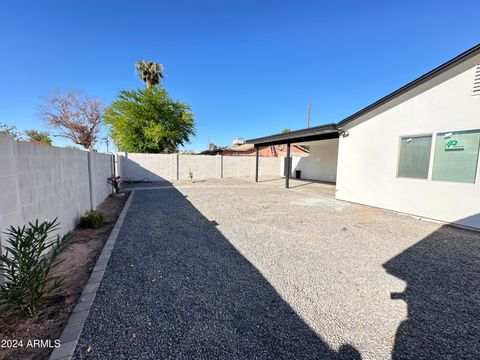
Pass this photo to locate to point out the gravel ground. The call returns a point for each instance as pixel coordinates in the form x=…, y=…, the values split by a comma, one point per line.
x=234, y=270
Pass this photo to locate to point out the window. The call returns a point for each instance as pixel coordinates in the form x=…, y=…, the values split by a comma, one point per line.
x=456, y=156
x=414, y=157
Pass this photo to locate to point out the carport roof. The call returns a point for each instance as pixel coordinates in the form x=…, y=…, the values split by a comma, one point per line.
x=323, y=132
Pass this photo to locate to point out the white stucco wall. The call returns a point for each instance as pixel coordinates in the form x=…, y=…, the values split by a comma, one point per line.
x=368, y=157
x=322, y=162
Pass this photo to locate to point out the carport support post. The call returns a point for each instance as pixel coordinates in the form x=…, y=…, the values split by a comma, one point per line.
x=287, y=176
x=256, y=163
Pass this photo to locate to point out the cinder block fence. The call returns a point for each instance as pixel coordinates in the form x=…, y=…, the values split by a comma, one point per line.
x=168, y=167
x=44, y=182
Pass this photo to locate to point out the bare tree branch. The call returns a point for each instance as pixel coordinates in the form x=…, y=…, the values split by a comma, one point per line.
x=78, y=117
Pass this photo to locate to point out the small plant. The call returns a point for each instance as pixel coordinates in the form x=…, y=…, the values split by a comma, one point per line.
x=190, y=175
x=92, y=219
x=27, y=264
x=115, y=182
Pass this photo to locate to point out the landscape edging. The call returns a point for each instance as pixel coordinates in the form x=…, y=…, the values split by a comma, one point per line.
x=72, y=331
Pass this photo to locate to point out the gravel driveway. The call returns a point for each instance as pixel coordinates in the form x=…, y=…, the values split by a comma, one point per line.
x=235, y=270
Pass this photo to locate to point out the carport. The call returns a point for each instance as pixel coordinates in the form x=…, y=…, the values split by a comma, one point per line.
x=308, y=135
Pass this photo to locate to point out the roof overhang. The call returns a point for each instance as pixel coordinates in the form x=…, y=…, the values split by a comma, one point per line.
x=323, y=132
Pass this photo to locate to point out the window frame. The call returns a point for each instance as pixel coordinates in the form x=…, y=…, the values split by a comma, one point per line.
x=399, y=149
x=434, y=144
x=434, y=134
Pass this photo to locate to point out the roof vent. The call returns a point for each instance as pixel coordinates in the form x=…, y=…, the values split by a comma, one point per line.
x=476, y=81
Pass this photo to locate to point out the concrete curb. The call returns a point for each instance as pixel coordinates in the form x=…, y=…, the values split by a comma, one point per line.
x=73, y=329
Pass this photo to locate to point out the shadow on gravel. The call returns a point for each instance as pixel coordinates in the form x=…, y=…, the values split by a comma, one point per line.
x=176, y=288
x=442, y=272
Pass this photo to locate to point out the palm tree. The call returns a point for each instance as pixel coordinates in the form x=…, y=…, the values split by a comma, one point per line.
x=38, y=137
x=149, y=72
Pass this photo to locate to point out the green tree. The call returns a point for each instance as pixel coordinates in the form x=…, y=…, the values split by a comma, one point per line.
x=149, y=121
x=286, y=131
x=10, y=130
x=38, y=137
x=149, y=72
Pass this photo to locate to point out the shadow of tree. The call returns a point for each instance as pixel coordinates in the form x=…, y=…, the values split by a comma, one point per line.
x=185, y=292
x=442, y=272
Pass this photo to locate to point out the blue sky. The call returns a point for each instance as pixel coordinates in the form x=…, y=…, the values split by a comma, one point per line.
x=247, y=68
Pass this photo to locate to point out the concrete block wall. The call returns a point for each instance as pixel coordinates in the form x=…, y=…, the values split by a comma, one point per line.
x=102, y=170
x=52, y=183
x=150, y=167
x=240, y=166
x=10, y=210
x=201, y=166
x=44, y=182
x=270, y=167
x=169, y=167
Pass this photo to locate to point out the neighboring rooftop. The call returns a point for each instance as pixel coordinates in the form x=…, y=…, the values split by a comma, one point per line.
x=242, y=147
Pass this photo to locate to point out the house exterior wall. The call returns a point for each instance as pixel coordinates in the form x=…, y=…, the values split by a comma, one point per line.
x=368, y=156
x=322, y=162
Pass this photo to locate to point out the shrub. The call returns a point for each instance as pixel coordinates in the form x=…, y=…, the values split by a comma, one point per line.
x=27, y=263
x=92, y=219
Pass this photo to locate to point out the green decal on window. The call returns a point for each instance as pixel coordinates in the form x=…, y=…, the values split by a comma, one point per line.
x=456, y=156
x=453, y=144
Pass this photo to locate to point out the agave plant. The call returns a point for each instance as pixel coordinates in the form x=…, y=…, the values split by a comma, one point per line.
x=27, y=265
x=150, y=72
